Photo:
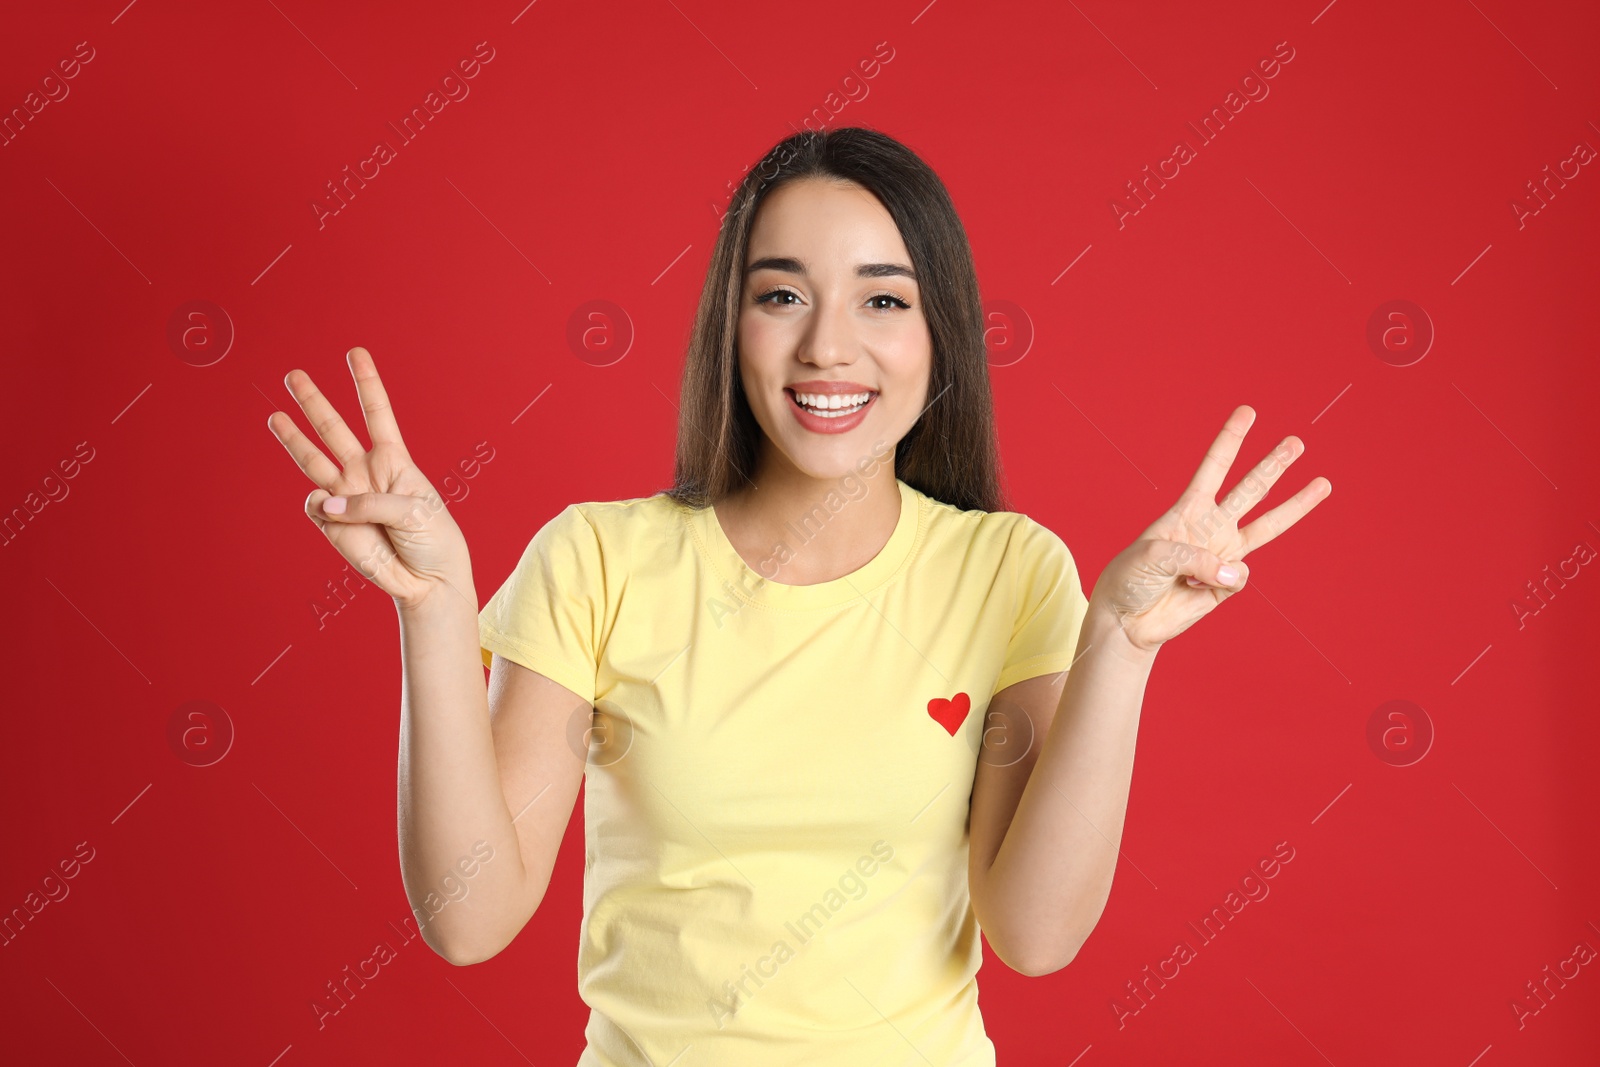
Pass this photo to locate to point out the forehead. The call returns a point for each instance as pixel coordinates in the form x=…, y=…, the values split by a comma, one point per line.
x=828, y=224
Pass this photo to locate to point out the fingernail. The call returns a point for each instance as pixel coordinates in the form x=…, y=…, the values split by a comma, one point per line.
x=1227, y=575
x=334, y=505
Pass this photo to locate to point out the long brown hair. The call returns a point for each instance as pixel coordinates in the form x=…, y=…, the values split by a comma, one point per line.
x=951, y=452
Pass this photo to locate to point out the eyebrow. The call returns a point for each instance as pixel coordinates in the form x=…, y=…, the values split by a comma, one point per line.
x=790, y=265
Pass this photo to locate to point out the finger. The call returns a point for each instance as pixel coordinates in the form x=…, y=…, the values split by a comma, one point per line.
x=1202, y=569
x=1208, y=477
x=1284, y=515
x=1248, y=493
x=397, y=510
x=339, y=438
x=381, y=426
x=314, y=507
x=316, y=466
x=1177, y=559
x=1180, y=559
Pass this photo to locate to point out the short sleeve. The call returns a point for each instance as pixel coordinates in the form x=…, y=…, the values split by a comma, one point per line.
x=1050, y=605
x=548, y=613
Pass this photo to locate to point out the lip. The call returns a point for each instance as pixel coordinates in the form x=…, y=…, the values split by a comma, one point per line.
x=829, y=388
x=820, y=424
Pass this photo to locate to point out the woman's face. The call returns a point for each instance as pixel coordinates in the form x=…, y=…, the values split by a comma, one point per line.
x=830, y=312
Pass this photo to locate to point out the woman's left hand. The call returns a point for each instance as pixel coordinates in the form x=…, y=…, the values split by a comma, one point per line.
x=1175, y=573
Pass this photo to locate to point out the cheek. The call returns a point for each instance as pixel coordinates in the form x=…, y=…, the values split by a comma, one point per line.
x=758, y=333
x=762, y=348
x=907, y=357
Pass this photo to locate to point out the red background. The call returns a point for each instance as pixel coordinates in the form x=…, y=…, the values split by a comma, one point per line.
x=590, y=162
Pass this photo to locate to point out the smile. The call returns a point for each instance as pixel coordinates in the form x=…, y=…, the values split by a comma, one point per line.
x=832, y=405
x=829, y=412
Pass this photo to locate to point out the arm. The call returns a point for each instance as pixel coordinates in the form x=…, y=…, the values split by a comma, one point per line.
x=473, y=871
x=478, y=777
x=1046, y=828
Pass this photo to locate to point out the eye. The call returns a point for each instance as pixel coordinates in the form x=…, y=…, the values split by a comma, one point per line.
x=774, y=297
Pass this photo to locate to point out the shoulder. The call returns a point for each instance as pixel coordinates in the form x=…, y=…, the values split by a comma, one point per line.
x=1010, y=536
x=999, y=549
x=621, y=533
x=596, y=545
x=631, y=517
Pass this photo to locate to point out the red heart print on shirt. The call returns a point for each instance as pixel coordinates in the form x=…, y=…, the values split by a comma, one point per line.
x=950, y=713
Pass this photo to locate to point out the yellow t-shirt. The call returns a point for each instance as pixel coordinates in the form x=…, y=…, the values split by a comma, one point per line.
x=779, y=776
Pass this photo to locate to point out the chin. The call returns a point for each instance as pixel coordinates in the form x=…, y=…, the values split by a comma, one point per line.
x=858, y=455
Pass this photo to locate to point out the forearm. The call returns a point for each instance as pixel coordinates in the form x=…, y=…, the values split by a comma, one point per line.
x=449, y=791
x=1051, y=877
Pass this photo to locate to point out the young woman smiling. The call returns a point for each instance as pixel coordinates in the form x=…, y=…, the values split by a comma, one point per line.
x=914, y=686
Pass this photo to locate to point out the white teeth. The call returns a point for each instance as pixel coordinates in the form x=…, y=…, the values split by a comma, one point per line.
x=832, y=405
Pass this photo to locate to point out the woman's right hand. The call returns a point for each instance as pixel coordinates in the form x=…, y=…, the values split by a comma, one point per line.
x=394, y=527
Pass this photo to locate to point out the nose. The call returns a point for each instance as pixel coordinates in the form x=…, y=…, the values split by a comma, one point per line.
x=830, y=337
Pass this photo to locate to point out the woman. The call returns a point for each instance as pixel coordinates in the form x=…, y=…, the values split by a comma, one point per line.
x=819, y=690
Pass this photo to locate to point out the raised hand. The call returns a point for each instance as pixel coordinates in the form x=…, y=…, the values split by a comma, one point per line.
x=1178, y=569
x=379, y=511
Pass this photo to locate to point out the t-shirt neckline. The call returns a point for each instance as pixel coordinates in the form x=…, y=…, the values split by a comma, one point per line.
x=751, y=586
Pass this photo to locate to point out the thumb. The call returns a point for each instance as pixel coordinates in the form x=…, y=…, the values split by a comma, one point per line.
x=1208, y=569
x=396, y=510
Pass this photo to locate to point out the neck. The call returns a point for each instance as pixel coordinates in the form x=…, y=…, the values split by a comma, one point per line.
x=826, y=527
